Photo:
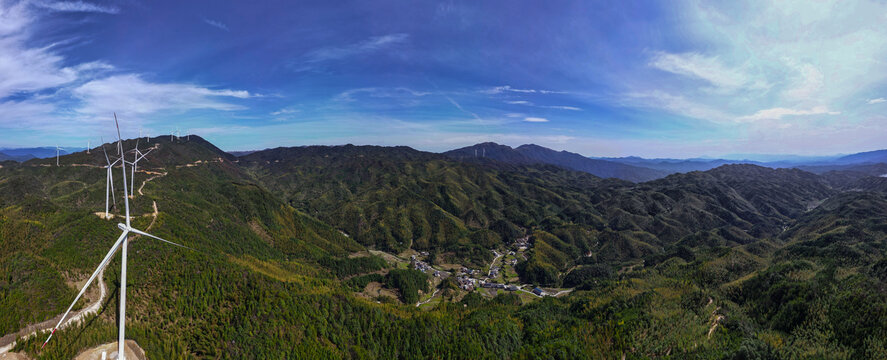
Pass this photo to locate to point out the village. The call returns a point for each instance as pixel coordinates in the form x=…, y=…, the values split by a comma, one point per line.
x=498, y=277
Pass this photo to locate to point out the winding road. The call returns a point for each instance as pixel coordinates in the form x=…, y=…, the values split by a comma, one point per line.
x=7, y=342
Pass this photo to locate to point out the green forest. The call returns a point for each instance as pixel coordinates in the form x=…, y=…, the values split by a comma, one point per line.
x=738, y=262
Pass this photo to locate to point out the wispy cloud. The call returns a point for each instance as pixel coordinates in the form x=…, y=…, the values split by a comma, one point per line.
x=560, y=107
x=779, y=113
x=26, y=114
x=286, y=111
x=76, y=6
x=379, y=92
x=556, y=107
x=459, y=106
x=535, y=119
x=876, y=101
x=285, y=114
x=341, y=52
x=675, y=104
x=216, y=24
x=133, y=95
x=698, y=66
x=508, y=88
x=25, y=69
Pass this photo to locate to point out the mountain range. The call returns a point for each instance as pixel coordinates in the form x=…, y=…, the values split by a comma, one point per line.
x=24, y=154
x=634, y=169
x=304, y=252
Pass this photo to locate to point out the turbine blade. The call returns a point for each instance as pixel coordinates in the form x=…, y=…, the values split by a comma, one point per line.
x=106, y=154
x=88, y=282
x=123, y=167
x=136, y=231
x=145, y=154
x=111, y=176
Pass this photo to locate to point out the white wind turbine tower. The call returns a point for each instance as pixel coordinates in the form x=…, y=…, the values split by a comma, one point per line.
x=137, y=155
x=109, y=181
x=122, y=243
x=56, y=155
x=87, y=147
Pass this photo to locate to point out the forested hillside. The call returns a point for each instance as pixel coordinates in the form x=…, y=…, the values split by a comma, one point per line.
x=300, y=253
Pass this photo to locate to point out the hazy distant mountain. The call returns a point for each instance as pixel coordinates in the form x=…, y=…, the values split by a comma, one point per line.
x=870, y=157
x=535, y=154
x=815, y=164
x=24, y=154
x=676, y=165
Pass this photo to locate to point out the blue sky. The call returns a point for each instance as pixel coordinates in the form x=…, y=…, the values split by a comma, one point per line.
x=654, y=79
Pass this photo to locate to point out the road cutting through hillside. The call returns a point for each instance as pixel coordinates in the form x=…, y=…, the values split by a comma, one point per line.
x=8, y=342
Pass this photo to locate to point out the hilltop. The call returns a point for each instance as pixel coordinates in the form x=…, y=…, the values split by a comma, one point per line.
x=306, y=252
x=535, y=154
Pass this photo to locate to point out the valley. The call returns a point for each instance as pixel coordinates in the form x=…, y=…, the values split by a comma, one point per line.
x=738, y=259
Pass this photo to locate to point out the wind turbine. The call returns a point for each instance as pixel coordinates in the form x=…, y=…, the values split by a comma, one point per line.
x=109, y=180
x=87, y=147
x=122, y=243
x=138, y=155
x=56, y=155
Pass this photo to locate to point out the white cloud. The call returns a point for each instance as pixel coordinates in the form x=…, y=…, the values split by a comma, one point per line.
x=76, y=6
x=340, y=52
x=695, y=65
x=535, y=119
x=508, y=88
x=13, y=18
x=286, y=111
x=379, y=92
x=26, y=69
x=779, y=113
x=528, y=103
x=807, y=84
x=876, y=101
x=26, y=114
x=216, y=24
x=676, y=104
x=559, y=107
x=131, y=94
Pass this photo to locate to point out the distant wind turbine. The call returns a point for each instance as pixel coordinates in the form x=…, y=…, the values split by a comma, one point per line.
x=109, y=181
x=122, y=243
x=56, y=155
x=138, y=155
x=87, y=147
